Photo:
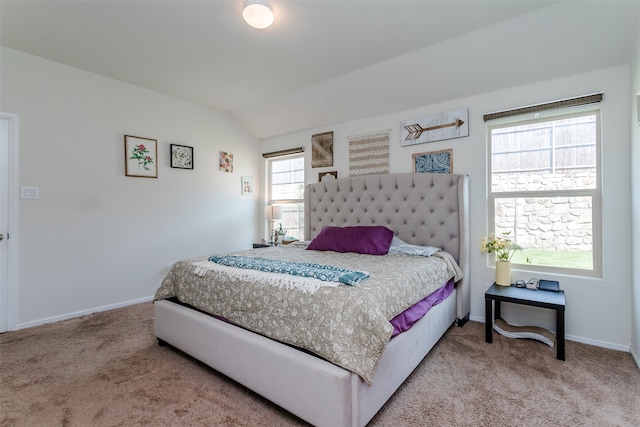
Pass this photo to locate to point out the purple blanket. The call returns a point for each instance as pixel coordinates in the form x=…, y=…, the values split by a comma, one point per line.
x=405, y=320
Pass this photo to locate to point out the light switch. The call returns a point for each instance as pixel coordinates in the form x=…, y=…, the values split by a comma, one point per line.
x=29, y=192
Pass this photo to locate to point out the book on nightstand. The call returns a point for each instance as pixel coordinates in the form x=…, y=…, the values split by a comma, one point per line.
x=549, y=285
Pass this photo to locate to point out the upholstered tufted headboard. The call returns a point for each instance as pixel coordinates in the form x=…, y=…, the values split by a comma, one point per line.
x=422, y=209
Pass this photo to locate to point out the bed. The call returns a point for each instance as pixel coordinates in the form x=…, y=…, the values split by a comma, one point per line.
x=420, y=209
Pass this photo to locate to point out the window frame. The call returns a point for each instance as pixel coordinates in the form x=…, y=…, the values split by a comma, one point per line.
x=595, y=193
x=269, y=200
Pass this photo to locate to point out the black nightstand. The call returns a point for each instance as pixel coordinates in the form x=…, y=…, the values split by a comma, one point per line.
x=545, y=299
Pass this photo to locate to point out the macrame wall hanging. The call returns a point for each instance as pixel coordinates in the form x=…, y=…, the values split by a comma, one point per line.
x=369, y=153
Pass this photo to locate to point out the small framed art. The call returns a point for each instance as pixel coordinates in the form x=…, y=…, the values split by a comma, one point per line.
x=226, y=161
x=247, y=185
x=322, y=150
x=140, y=156
x=181, y=156
x=327, y=176
x=433, y=162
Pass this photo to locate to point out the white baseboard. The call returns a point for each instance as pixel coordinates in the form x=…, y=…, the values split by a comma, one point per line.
x=636, y=357
x=67, y=316
x=611, y=346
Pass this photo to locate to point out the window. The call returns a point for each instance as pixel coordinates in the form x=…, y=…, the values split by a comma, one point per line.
x=286, y=189
x=544, y=190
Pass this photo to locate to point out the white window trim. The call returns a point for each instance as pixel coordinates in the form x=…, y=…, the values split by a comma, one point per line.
x=596, y=193
x=270, y=160
x=268, y=180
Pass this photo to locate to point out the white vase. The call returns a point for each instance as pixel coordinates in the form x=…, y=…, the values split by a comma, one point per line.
x=503, y=273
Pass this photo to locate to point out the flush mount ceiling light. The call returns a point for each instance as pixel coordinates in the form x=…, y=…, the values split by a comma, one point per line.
x=258, y=13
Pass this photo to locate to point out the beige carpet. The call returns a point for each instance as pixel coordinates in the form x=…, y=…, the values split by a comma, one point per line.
x=106, y=369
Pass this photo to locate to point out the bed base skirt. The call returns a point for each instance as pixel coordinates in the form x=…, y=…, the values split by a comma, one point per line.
x=315, y=390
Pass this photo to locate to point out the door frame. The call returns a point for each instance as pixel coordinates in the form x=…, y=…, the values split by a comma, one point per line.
x=11, y=238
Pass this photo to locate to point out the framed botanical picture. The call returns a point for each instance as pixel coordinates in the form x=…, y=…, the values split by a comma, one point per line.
x=140, y=156
x=322, y=150
x=181, y=156
x=247, y=185
x=433, y=162
x=226, y=161
x=327, y=176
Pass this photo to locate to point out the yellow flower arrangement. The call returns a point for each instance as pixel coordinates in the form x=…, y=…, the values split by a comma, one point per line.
x=503, y=247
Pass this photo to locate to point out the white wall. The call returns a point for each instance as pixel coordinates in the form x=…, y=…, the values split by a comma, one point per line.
x=598, y=310
x=96, y=239
x=635, y=197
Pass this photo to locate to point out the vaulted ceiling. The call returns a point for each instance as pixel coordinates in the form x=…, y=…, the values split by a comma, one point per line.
x=323, y=61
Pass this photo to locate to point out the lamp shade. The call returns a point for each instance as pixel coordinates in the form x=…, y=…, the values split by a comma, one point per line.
x=258, y=13
x=272, y=213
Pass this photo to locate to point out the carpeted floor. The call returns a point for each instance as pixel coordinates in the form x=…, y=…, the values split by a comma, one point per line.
x=106, y=369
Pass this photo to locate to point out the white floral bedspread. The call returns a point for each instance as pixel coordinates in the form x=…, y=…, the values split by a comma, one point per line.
x=347, y=325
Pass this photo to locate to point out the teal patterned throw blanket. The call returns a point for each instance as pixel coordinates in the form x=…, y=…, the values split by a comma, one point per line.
x=326, y=273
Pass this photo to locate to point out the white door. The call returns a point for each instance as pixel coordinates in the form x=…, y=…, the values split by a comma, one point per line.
x=8, y=149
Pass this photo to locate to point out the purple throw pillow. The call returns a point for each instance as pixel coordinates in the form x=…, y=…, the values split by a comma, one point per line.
x=371, y=240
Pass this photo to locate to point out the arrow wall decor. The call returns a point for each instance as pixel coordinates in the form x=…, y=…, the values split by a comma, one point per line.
x=435, y=127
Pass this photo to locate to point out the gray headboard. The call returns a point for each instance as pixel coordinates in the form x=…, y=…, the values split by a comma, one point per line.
x=422, y=209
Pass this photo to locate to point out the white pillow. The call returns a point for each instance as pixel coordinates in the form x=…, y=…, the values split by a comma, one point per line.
x=399, y=246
